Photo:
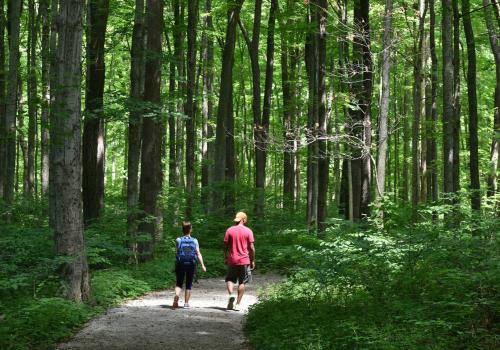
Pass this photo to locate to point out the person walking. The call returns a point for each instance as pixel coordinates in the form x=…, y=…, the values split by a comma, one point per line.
x=187, y=256
x=239, y=255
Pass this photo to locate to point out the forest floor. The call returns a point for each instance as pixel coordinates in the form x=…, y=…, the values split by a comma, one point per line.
x=150, y=322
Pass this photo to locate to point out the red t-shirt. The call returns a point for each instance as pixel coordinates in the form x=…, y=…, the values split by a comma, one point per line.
x=238, y=238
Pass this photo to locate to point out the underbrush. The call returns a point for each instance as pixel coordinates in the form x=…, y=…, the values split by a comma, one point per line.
x=423, y=287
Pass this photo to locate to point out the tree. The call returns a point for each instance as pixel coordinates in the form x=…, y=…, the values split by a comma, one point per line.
x=431, y=132
x=495, y=143
x=3, y=134
x=93, y=128
x=45, y=102
x=66, y=180
x=135, y=122
x=32, y=99
x=384, y=98
x=323, y=161
x=225, y=103
x=152, y=134
x=472, y=99
x=190, y=106
x=11, y=101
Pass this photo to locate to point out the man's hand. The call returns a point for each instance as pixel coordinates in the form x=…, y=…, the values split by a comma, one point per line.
x=252, y=265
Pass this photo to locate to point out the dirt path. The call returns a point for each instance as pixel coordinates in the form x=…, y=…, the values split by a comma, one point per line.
x=150, y=323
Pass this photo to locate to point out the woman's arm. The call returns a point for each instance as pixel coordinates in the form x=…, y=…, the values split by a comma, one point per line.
x=200, y=259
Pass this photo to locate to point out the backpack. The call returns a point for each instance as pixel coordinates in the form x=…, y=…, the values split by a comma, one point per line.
x=186, y=252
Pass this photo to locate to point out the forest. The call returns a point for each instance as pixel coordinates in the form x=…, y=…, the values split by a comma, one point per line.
x=362, y=137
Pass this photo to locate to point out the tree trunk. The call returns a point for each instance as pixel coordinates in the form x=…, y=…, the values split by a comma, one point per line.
x=495, y=143
x=472, y=99
x=190, y=107
x=45, y=101
x=384, y=98
x=134, y=124
x=3, y=135
x=32, y=99
x=93, y=127
x=311, y=61
x=417, y=110
x=431, y=133
x=152, y=131
x=223, y=110
x=65, y=158
x=207, y=105
x=456, y=98
x=323, y=161
x=11, y=101
x=448, y=95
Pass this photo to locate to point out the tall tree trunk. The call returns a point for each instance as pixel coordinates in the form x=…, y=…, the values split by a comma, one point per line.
x=152, y=130
x=472, y=99
x=495, y=143
x=11, y=101
x=384, y=98
x=456, y=98
x=32, y=98
x=190, y=107
x=431, y=133
x=448, y=95
x=406, y=143
x=65, y=158
x=287, y=88
x=224, y=106
x=323, y=161
x=417, y=110
x=178, y=33
x=3, y=135
x=135, y=122
x=311, y=61
x=54, y=10
x=45, y=101
x=93, y=127
x=207, y=104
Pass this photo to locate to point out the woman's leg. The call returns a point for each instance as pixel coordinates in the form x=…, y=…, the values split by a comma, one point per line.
x=189, y=282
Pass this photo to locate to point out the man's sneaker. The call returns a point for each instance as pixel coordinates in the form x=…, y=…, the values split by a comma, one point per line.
x=236, y=307
x=175, y=305
x=186, y=306
x=230, y=304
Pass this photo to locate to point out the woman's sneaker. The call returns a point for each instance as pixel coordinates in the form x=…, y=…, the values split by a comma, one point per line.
x=186, y=306
x=230, y=304
x=236, y=307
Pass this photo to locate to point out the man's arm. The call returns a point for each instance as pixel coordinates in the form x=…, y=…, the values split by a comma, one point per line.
x=251, y=250
x=226, y=250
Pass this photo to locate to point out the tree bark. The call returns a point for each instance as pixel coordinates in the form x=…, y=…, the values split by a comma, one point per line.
x=207, y=105
x=65, y=158
x=32, y=99
x=224, y=106
x=190, y=107
x=3, y=135
x=495, y=143
x=152, y=130
x=93, y=127
x=323, y=161
x=472, y=100
x=431, y=133
x=417, y=110
x=135, y=123
x=11, y=101
x=384, y=98
x=45, y=101
x=456, y=99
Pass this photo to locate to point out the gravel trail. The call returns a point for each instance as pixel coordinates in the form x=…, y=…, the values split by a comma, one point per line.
x=150, y=323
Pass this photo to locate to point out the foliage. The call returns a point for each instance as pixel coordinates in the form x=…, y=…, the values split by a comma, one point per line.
x=425, y=287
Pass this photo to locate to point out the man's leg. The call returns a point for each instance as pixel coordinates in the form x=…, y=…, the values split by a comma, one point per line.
x=241, y=291
x=230, y=287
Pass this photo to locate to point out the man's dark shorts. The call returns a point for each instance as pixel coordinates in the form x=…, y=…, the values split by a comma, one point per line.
x=239, y=273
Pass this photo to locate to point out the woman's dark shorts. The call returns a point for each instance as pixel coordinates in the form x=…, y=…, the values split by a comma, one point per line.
x=185, y=272
x=240, y=273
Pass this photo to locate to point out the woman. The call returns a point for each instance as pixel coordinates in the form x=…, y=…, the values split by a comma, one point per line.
x=188, y=254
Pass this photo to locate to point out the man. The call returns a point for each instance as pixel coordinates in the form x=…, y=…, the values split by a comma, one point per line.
x=239, y=255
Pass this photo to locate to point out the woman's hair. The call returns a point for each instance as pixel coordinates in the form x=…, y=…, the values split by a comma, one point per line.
x=186, y=227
